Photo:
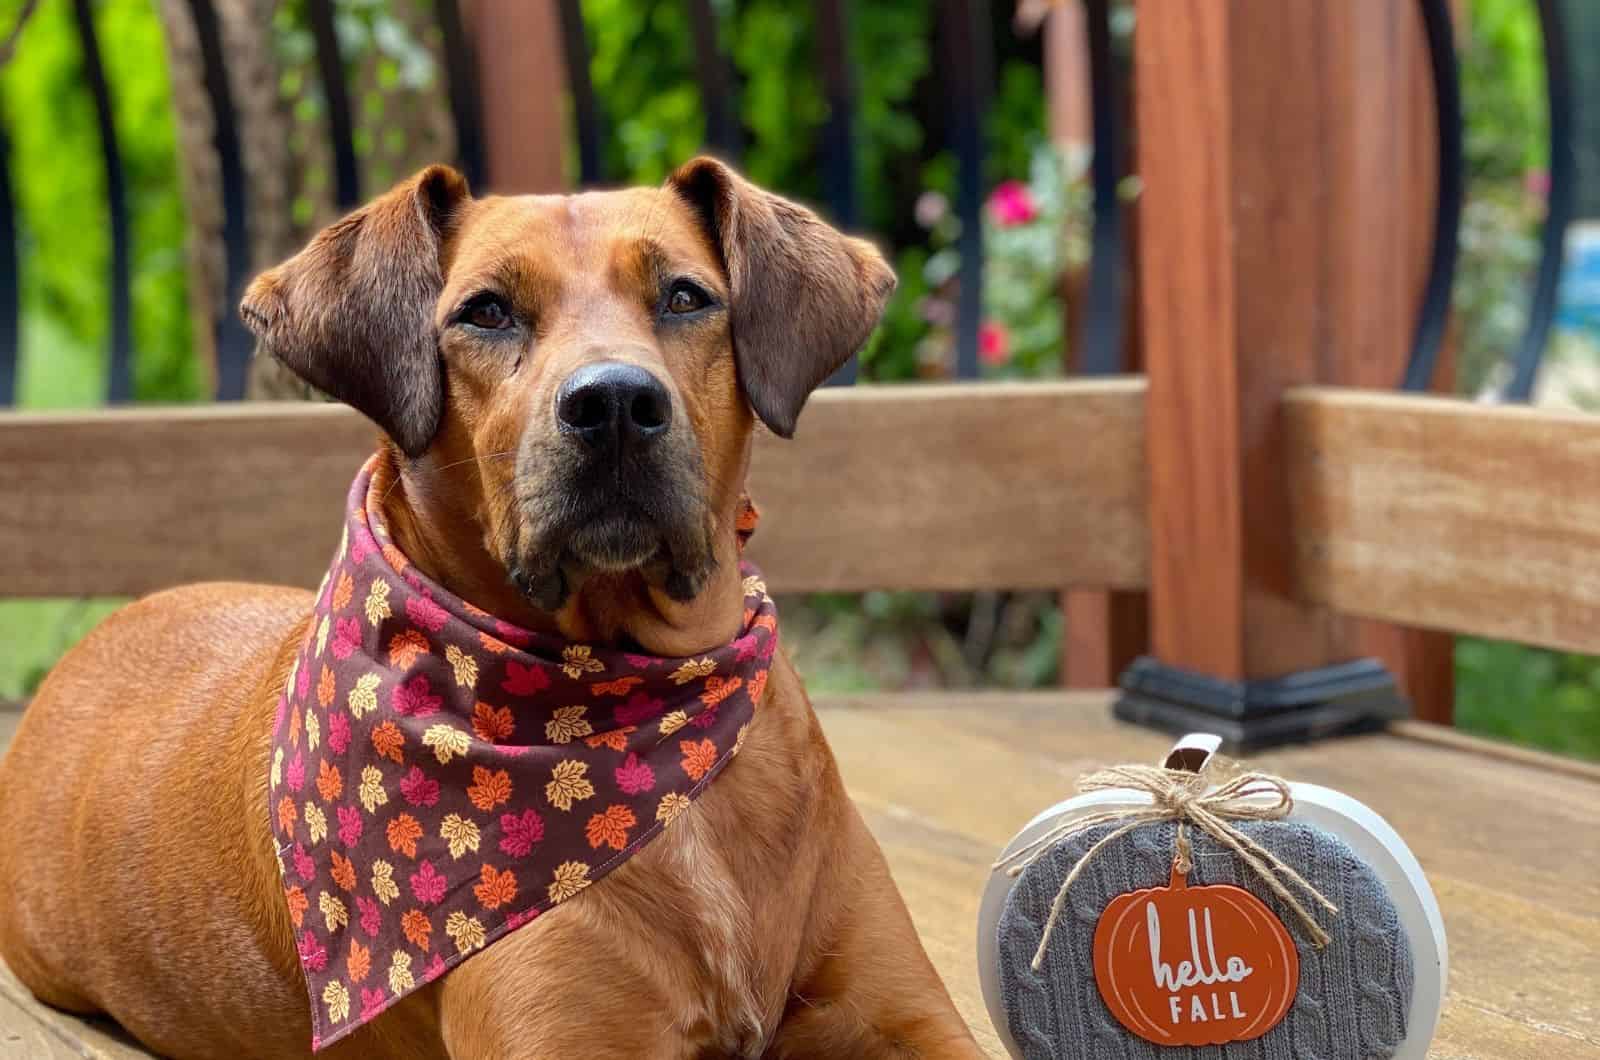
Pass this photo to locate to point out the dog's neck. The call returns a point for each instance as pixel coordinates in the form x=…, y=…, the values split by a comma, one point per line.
x=443, y=537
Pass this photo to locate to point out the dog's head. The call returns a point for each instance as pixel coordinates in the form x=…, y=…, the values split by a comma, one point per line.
x=594, y=363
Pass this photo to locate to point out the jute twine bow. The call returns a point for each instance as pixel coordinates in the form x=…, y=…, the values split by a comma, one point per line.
x=1179, y=795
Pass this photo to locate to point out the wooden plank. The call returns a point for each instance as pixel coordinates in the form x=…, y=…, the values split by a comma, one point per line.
x=915, y=487
x=523, y=88
x=1446, y=514
x=31, y=1031
x=1233, y=233
x=1522, y=908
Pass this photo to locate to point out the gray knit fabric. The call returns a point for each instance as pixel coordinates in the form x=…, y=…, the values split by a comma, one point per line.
x=1353, y=996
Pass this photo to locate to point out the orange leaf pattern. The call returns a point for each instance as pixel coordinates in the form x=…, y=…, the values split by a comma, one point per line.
x=440, y=777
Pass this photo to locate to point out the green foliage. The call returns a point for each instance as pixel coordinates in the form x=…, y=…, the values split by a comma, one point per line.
x=58, y=175
x=1547, y=699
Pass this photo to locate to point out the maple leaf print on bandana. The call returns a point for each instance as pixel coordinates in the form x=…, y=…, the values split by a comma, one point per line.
x=439, y=777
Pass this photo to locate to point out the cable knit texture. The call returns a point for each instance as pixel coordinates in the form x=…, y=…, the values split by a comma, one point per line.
x=1353, y=995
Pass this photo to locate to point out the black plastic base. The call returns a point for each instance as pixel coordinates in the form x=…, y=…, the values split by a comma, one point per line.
x=1333, y=700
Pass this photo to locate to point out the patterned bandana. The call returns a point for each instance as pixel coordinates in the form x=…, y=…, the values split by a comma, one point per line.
x=440, y=778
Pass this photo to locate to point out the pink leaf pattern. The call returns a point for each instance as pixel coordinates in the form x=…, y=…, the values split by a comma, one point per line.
x=634, y=776
x=427, y=884
x=346, y=637
x=415, y=698
x=447, y=728
x=519, y=832
x=419, y=789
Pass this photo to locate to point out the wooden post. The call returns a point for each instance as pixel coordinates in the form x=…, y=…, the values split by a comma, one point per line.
x=1278, y=246
x=1103, y=631
x=523, y=88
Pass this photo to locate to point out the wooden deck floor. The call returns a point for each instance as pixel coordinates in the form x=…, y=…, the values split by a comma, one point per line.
x=1510, y=843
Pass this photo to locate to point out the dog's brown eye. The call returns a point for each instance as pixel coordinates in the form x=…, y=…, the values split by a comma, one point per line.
x=486, y=311
x=685, y=297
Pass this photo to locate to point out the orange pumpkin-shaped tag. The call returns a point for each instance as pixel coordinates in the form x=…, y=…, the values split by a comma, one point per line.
x=1181, y=965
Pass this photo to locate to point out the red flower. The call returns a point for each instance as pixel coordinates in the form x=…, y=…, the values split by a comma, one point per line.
x=1012, y=204
x=419, y=789
x=427, y=884
x=994, y=343
x=414, y=698
x=519, y=832
x=634, y=776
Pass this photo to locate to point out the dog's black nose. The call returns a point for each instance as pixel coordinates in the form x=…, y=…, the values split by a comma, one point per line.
x=609, y=404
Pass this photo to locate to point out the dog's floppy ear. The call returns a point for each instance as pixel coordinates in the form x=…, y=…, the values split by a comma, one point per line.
x=805, y=296
x=352, y=313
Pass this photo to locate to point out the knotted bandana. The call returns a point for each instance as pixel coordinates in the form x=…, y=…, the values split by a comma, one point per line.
x=440, y=777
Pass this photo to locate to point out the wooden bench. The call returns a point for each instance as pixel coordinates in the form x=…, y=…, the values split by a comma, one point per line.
x=976, y=487
x=944, y=780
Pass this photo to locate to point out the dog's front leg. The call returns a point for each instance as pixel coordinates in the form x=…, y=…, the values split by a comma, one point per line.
x=555, y=989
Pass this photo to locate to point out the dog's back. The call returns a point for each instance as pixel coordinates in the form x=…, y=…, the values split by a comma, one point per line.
x=130, y=717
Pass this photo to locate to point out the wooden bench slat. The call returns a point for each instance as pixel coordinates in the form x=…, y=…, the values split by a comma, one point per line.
x=913, y=487
x=1446, y=514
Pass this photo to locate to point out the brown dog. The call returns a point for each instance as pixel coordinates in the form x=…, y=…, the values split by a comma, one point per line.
x=137, y=869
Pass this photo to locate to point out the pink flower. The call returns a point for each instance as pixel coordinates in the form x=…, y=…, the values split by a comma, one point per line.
x=339, y=732
x=372, y=1002
x=524, y=680
x=706, y=718
x=641, y=662
x=296, y=776
x=302, y=682
x=346, y=637
x=350, y=825
x=1012, y=204
x=425, y=613
x=312, y=953
x=414, y=698
x=362, y=546
x=419, y=789
x=519, y=832
x=994, y=343
x=634, y=776
x=371, y=916
x=745, y=647
x=427, y=884
x=640, y=708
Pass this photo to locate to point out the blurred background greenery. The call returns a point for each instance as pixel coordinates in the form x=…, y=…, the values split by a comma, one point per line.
x=642, y=68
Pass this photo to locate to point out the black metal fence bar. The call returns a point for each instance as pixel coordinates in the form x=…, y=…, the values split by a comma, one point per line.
x=838, y=148
x=1101, y=331
x=718, y=91
x=10, y=281
x=1435, y=311
x=966, y=45
x=341, y=128
x=1559, y=204
x=461, y=79
x=119, y=384
x=585, y=107
x=233, y=342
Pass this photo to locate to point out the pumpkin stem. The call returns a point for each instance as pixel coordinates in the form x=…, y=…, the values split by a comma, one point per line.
x=1180, y=878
